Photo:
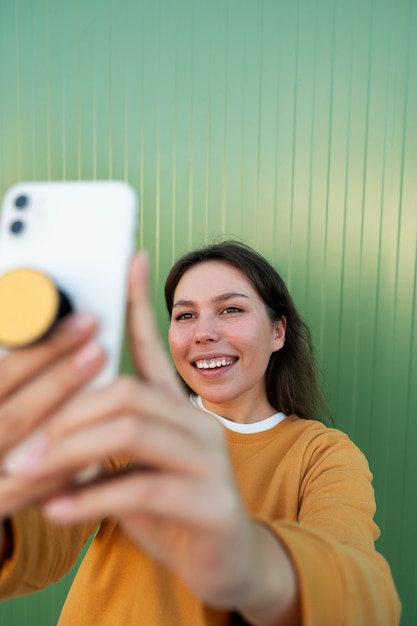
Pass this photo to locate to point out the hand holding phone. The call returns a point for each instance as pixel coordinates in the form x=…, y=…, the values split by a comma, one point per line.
x=66, y=246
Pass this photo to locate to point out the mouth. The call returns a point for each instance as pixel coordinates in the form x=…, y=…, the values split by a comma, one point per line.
x=215, y=362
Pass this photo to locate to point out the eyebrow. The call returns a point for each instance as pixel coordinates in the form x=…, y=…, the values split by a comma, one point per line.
x=221, y=298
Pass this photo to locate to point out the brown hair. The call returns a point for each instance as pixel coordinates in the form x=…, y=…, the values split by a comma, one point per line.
x=291, y=377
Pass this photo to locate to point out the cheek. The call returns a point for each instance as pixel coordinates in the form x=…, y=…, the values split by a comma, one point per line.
x=179, y=356
x=261, y=341
x=251, y=334
x=178, y=344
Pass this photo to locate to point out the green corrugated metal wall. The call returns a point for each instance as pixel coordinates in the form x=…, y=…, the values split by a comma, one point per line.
x=292, y=125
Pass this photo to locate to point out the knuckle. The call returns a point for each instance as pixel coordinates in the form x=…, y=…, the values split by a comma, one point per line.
x=53, y=344
x=62, y=339
x=134, y=432
x=14, y=422
x=138, y=439
x=65, y=380
x=125, y=390
x=7, y=374
x=57, y=384
x=149, y=493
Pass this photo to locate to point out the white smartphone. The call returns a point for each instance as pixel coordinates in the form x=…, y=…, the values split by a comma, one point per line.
x=81, y=235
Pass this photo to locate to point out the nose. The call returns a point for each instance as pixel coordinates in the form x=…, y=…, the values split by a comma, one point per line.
x=206, y=330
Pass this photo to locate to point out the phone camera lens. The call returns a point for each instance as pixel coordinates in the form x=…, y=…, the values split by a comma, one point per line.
x=17, y=227
x=21, y=202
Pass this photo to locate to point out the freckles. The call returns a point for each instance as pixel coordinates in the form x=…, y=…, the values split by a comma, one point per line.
x=178, y=343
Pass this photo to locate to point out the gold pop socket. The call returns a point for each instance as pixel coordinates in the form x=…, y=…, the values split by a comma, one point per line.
x=30, y=306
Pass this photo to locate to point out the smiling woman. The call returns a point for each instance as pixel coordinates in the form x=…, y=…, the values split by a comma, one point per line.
x=221, y=340
x=237, y=507
x=241, y=293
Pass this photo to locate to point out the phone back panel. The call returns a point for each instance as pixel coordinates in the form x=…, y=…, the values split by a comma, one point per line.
x=82, y=234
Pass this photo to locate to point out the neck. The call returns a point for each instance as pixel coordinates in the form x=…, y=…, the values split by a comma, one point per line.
x=240, y=412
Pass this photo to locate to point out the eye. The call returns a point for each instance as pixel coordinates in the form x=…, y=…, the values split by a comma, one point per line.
x=184, y=316
x=231, y=309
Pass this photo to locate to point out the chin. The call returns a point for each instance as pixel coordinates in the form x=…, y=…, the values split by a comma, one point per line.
x=218, y=398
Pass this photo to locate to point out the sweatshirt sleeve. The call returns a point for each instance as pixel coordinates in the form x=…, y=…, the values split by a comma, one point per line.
x=42, y=553
x=342, y=578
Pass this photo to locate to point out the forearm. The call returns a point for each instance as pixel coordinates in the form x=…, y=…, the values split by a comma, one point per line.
x=272, y=598
x=37, y=552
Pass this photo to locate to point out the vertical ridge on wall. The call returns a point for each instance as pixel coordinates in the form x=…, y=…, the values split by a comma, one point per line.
x=294, y=146
x=362, y=396
x=79, y=108
x=141, y=53
x=329, y=168
x=18, y=107
x=48, y=95
x=110, y=96
x=190, y=171
x=405, y=308
x=259, y=125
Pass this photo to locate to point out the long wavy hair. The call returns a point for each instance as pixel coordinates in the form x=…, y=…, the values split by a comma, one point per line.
x=292, y=378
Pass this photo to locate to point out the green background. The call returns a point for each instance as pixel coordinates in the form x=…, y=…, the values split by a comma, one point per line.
x=289, y=124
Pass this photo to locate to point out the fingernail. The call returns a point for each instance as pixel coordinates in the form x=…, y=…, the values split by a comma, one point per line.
x=60, y=509
x=24, y=458
x=87, y=355
x=78, y=322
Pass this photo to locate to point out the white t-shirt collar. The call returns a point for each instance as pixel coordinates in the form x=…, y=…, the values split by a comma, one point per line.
x=255, y=427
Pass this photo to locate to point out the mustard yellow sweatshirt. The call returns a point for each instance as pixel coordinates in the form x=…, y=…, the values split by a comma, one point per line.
x=309, y=484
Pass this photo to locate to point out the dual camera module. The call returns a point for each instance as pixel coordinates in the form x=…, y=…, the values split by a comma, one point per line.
x=18, y=226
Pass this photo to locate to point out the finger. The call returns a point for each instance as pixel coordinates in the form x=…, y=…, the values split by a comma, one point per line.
x=24, y=411
x=16, y=492
x=148, y=352
x=18, y=366
x=145, y=442
x=127, y=395
x=177, y=498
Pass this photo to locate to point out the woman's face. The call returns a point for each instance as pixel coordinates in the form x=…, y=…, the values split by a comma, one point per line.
x=221, y=339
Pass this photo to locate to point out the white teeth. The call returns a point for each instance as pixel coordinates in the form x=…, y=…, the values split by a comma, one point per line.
x=213, y=363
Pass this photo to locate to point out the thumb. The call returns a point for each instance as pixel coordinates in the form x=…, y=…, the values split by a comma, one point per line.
x=148, y=352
